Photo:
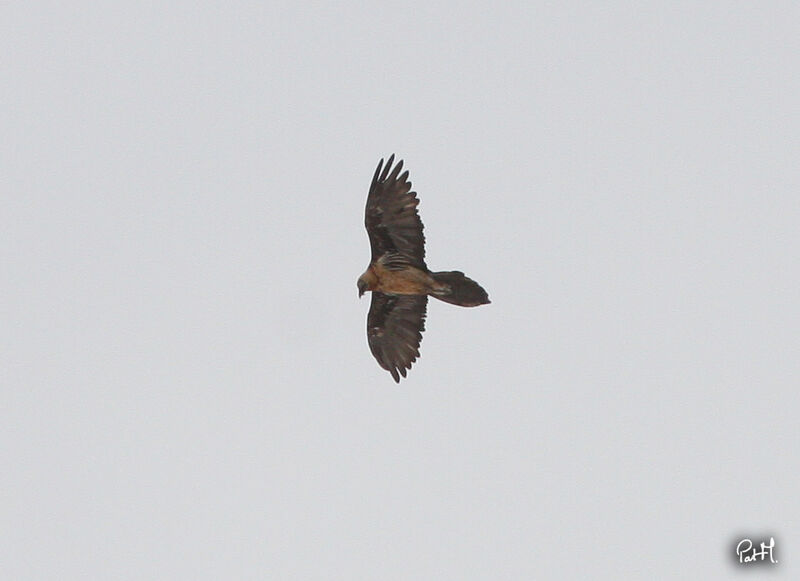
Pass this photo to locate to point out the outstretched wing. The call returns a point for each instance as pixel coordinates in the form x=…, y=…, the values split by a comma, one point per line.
x=391, y=217
x=394, y=330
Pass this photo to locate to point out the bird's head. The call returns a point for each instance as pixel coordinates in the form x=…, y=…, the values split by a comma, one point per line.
x=366, y=282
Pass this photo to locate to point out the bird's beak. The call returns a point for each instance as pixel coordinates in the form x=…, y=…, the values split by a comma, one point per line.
x=360, y=292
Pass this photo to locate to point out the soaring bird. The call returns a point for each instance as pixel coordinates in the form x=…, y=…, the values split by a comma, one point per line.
x=397, y=275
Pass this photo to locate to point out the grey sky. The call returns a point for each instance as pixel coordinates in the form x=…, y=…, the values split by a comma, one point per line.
x=187, y=391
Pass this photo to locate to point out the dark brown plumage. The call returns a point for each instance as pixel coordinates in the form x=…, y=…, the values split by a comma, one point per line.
x=398, y=276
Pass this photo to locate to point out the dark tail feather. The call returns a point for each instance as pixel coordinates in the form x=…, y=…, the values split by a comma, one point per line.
x=463, y=291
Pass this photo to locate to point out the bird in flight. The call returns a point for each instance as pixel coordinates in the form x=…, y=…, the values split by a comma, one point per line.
x=397, y=275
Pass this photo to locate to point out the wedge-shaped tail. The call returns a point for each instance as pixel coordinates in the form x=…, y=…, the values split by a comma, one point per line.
x=461, y=290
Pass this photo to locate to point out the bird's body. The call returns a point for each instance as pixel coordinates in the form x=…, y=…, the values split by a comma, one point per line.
x=408, y=281
x=398, y=276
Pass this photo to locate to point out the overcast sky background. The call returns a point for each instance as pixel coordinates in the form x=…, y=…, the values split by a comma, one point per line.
x=187, y=390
